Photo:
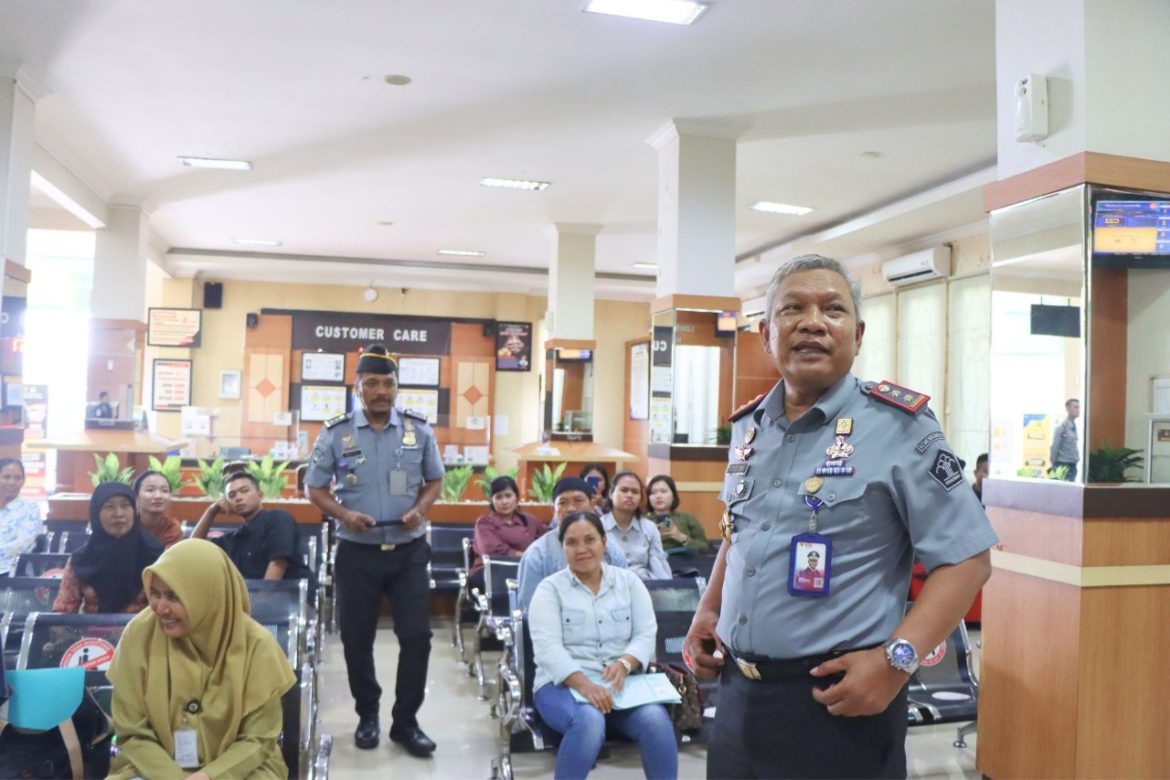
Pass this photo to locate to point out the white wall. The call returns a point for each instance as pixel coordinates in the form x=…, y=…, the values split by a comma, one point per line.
x=1147, y=347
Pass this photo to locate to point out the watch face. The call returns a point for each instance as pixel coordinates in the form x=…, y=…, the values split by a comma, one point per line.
x=903, y=654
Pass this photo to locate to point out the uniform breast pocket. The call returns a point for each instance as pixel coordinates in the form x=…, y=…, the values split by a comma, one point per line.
x=573, y=626
x=617, y=626
x=842, y=496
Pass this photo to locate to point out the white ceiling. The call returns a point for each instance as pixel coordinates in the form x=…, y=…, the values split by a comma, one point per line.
x=510, y=88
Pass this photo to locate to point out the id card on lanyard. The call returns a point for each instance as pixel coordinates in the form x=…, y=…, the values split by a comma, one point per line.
x=186, y=746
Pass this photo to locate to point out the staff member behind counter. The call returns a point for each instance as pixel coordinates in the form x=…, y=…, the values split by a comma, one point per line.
x=386, y=473
x=814, y=671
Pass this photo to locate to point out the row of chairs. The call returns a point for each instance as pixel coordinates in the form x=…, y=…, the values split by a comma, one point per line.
x=47, y=639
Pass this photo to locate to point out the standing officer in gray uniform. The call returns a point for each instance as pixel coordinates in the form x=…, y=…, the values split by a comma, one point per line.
x=814, y=677
x=386, y=473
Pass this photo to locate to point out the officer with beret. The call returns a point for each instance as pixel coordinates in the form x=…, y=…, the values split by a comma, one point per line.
x=814, y=671
x=386, y=473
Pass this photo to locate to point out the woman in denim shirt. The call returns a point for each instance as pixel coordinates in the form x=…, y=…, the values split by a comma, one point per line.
x=592, y=625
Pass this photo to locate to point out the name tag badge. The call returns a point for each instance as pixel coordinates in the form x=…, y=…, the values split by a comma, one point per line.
x=187, y=749
x=810, y=565
x=398, y=482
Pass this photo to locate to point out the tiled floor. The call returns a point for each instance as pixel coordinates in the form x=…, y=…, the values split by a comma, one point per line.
x=466, y=736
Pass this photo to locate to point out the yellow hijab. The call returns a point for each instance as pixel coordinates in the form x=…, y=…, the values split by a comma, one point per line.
x=228, y=663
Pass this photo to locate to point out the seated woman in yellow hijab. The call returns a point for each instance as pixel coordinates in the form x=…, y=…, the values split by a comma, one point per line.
x=197, y=682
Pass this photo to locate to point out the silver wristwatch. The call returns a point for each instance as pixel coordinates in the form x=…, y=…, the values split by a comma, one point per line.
x=901, y=655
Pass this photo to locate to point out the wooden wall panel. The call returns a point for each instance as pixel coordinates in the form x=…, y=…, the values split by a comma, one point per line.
x=1109, y=324
x=1051, y=537
x=1030, y=665
x=754, y=372
x=1127, y=542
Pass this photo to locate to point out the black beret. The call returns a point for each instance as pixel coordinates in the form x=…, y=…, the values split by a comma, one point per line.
x=376, y=360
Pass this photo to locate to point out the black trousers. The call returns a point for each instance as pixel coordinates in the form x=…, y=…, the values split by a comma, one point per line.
x=364, y=573
x=775, y=729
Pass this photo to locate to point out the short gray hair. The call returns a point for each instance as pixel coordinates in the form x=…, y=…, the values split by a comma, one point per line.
x=812, y=263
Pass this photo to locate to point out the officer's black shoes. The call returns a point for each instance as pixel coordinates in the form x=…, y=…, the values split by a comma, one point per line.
x=413, y=739
x=368, y=733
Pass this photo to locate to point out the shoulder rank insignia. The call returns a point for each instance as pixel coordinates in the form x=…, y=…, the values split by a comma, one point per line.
x=416, y=415
x=898, y=396
x=339, y=419
x=746, y=409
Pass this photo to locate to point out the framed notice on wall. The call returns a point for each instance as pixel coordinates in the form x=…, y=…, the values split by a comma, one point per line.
x=323, y=367
x=174, y=327
x=172, y=385
x=418, y=372
x=513, y=346
x=421, y=401
x=640, y=381
x=323, y=402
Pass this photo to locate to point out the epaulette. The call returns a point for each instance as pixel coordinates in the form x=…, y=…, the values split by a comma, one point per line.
x=747, y=408
x=415, y=415
x=339, y=419
x=909, y=401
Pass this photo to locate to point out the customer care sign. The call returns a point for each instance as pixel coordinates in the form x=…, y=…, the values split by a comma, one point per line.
x=349, y=332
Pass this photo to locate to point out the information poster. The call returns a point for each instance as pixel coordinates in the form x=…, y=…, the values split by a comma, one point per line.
x=421, y=401
x=514, y=346
x=174, y=327
x=640, y=381
x=323, y=367
x=322, y=402
x=172, y=385
x=418, y=372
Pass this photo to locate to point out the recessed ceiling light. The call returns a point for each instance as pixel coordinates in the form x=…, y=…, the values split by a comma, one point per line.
x=213, y=162
x=646, y=265
x=780, y=208
x=461, y=252
x=871, y=155
x=256, y=241
x=397, y=80
x=671, y=11
x=385, y=222
x=514, y=184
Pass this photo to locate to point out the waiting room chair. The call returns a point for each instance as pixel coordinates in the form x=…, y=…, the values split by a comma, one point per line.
x=36, y=564
x=944, y=689
x=494, y=619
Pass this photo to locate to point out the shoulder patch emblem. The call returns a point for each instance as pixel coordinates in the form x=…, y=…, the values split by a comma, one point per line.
x=945, y=470
x=926, y=441
x=415, y=415
x=898, y=396
x=339, y=419
x=746, y=409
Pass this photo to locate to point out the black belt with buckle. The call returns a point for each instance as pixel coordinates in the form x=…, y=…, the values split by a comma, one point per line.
x=761, y=669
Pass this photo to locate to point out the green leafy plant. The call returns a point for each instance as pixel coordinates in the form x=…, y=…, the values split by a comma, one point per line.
x=109, y=469
x=489, y=474
x=455, y=482
x=543, y=482
x=1058, y=473
x=270, y=475
x=210, y=479
x=723, y=435
x=1026, y=471
x=171, y=468
x=1109, y=464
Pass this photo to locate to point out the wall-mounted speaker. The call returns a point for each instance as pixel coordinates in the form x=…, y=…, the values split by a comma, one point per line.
x=252, y=319
x=489, y=329
x=212, y=295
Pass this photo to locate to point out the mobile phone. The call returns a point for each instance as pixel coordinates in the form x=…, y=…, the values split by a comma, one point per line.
x=594, y=482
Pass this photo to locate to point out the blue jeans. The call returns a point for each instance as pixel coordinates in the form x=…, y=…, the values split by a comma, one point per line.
x=584, y=727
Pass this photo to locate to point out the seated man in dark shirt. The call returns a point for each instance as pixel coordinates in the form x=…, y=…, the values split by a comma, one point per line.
x=266, y=547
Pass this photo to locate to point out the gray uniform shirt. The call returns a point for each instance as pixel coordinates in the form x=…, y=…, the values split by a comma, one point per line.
x=642, y=546
x=1064, y=443
x=906, y=497
x=378, y=473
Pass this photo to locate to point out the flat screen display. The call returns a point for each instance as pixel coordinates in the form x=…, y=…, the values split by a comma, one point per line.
x=1056, y=321
x=1132, y=227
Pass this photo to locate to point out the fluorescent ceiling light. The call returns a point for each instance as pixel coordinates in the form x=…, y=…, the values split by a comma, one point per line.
x=256, y=241
x=461, y=252
x=212, y=162
x=671, y=11
x=648, y=266
x=514, y=184
x=781, y=208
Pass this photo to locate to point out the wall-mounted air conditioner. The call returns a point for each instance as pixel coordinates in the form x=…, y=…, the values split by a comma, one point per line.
x=916, y=267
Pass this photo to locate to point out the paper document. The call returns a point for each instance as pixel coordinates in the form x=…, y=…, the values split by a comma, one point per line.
x=640, y=689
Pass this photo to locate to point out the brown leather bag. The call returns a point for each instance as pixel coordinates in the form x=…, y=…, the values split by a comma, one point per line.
x=687, y=715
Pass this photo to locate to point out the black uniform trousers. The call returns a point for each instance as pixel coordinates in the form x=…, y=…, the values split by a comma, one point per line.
x=774, y=728
x=364, y=573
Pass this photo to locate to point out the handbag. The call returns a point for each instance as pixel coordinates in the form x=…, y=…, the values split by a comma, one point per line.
x=687, y=715
x=77, y=746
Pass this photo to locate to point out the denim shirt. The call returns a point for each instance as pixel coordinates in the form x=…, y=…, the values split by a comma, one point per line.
x=545, y=556
x=20, y=522
x=574, y=630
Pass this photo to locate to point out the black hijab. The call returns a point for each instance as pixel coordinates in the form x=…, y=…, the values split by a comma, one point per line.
x=113, y=567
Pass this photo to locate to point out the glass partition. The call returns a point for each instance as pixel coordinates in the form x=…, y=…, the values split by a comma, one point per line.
x=568, y=408
x=1038, y=345
x=692, y=373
